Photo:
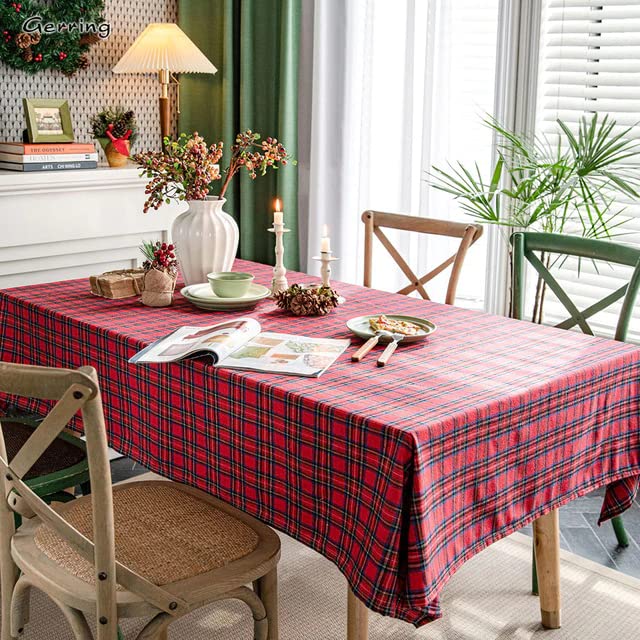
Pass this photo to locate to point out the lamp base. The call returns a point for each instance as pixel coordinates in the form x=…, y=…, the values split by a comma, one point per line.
x=165, y=118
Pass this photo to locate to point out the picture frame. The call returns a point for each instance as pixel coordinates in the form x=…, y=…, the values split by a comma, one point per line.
x=48, y=120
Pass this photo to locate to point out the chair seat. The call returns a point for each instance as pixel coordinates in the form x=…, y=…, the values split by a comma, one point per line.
x=162, y=533
x=61, y=454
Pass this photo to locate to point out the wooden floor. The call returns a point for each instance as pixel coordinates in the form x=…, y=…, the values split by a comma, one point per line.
x=579, y=530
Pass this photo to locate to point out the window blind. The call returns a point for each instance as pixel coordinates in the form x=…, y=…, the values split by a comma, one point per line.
x=590, y=63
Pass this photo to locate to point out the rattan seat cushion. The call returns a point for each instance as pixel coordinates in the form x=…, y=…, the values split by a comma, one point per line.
x=161, y=532
x=58, y=456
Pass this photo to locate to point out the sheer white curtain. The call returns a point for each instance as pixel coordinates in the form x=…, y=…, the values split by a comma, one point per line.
x=393, y=87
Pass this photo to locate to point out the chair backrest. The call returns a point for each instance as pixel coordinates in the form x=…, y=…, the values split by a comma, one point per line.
x=73, y=391
x=375, y=221
x=525, y=244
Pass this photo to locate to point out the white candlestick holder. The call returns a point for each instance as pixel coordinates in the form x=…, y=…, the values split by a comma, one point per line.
x=326, y=258
x=279, y=282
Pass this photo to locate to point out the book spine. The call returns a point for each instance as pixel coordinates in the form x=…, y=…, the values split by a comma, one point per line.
x=60, y=157
x=48, y=149
x=48, y=166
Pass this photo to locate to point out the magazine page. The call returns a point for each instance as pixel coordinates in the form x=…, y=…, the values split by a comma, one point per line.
x=286, y=354
x=218, y=340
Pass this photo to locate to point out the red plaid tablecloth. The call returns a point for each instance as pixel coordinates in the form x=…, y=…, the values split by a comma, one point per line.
x=398, y=475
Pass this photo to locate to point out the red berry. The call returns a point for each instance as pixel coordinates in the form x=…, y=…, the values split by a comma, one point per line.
x=171, y=247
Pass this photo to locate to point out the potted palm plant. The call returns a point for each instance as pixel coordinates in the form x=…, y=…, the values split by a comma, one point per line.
x=569, y=185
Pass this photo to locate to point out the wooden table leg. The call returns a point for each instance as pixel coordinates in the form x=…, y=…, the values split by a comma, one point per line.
x=357, y=614
x=546, y=535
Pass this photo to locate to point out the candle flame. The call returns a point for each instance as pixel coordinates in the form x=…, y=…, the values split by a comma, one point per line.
x=325, y=230
x=278, y=205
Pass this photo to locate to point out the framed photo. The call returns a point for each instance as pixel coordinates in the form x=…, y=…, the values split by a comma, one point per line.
x=48, y=120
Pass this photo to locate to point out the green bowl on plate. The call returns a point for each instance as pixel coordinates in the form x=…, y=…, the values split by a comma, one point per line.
x=230, y=284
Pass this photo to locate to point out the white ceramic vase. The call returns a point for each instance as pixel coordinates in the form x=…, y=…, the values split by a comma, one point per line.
x=206, y=239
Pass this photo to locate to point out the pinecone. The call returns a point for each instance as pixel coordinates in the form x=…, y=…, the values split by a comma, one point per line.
x=300, y=305
x=23, y=40
x=35, y=37
x=83, y=61
x=27, y=55
x=89, y=38
x=119, y=128
x=307, y=301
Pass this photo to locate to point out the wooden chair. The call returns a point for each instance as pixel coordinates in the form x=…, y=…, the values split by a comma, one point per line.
x=62, y=466
x=156, y=549
x=375, y=221
x=525, y=244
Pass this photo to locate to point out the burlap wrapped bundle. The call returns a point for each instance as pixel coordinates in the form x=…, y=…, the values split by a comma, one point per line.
x=158, y=288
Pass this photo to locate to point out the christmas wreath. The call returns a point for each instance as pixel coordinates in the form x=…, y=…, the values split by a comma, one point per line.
x=64, y=49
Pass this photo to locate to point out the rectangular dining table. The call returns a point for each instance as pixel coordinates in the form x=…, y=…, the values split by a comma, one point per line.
x=397, y=474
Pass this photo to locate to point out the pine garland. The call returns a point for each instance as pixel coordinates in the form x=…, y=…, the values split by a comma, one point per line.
x=33, y=52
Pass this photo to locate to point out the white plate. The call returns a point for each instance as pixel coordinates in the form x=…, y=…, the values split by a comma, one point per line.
x=203, y=297
x=204, y=292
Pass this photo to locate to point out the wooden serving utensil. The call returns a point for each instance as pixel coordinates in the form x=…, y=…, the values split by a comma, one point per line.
x=391, y=347
x=365, y=348
x=369, y=344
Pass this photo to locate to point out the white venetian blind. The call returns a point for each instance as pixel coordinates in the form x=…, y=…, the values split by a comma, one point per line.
x=590, y=62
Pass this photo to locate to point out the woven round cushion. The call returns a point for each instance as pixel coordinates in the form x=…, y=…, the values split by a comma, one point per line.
x=162, y=533
x=59, y=455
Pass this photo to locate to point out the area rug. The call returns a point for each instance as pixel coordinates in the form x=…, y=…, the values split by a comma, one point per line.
x=487, y=599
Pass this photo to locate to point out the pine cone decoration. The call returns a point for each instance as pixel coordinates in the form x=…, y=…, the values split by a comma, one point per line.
x=23, y=40
x=83, y=61
x=307, y=301
x=27, y=55
x=89, y=38
x=119, y=128
x=35, y=38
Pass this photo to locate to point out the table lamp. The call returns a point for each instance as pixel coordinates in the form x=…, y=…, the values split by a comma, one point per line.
x=164, y=48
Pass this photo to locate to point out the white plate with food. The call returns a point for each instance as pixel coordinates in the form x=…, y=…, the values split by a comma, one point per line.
x=414, y=329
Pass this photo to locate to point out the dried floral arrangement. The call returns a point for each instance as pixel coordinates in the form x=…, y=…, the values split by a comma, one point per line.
x=304, y=300
x=186, y=167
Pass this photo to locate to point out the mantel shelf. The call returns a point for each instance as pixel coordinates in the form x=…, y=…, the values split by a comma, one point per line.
x=104, y=177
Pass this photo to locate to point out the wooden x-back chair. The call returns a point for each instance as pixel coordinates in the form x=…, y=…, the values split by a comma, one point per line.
x=156, y=548
x=375, y=221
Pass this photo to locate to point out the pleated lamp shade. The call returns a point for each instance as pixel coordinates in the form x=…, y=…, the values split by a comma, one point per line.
x=163, y=46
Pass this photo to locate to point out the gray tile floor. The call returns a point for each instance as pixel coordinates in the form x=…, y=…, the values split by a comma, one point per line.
x=580, y=534
x=579, y=528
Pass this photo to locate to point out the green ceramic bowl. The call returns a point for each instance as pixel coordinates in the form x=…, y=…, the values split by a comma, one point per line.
x=229, y=284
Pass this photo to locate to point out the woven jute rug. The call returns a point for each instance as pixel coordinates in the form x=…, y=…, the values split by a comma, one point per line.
x=487, y=599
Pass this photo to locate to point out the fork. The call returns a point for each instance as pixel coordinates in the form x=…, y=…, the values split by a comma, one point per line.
x=391, y=347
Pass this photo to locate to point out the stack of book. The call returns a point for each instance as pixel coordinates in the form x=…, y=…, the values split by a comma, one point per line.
x=20, y=156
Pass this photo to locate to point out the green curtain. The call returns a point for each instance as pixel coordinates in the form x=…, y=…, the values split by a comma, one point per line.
x=254, y=44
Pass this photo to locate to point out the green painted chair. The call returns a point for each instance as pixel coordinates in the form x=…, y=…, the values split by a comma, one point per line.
x=526, y=244
x=62, y=466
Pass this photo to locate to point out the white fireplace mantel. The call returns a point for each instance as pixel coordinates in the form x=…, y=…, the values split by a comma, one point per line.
x=71, y=224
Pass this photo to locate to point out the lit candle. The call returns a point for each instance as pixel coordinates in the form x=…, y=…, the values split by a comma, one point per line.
x=278, y=216
x=325, y=240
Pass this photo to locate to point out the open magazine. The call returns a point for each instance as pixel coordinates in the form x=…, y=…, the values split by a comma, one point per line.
x=239, y=344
